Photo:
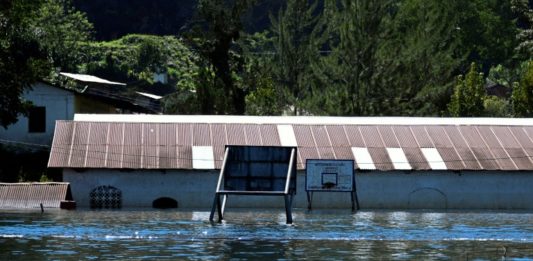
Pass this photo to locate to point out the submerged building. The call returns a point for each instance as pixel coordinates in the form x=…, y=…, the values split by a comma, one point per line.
x=400, y=162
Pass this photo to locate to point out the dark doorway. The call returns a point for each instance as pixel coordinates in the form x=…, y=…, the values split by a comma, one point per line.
x=164, y=203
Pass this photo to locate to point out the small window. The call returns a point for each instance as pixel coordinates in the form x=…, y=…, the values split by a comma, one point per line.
x=37, y=119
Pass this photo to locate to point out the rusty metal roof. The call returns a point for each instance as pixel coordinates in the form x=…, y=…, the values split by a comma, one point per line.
x=134, y=144
x=32, y=195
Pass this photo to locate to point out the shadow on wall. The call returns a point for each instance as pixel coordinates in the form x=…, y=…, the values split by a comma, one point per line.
x=427, y=198
x=14, y=165
x=165, y=203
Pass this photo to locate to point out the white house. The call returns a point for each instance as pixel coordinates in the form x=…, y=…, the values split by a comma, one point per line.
x=400, y=162
x=50, y=103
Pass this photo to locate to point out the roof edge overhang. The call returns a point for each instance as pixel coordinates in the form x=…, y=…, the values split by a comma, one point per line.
x=305, y=120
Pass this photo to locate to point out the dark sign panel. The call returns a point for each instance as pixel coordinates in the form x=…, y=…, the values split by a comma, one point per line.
x=258, y=168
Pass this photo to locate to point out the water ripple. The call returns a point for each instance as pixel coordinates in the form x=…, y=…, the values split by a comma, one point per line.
x=246, y=234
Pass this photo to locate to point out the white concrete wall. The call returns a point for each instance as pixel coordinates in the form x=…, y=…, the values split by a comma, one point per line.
x=388, y=190
x=59, y=106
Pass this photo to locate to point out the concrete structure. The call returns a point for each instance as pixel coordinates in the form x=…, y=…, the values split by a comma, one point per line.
x=375, y=189
x=57, y=103
x=401, y=163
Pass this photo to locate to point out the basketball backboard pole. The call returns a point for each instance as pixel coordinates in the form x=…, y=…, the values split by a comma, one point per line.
x=256, y=170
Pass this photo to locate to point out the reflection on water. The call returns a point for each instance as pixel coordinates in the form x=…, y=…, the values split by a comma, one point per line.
x=248, y=234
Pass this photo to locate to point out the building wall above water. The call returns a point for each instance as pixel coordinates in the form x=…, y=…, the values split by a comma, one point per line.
x=493, y=190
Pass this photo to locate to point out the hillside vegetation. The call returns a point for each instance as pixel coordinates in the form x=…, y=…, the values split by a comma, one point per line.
x=299, y=57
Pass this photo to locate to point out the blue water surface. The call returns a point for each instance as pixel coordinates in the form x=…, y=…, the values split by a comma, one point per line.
x=262, y=233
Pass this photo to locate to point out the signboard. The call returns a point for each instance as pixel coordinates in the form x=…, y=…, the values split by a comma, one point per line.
x=256, y=170
x=259, y=168
x=330, y=175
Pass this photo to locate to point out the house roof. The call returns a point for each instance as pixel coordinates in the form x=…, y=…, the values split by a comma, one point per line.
x=31, y=195
x=109, y=96
x=149, y=95
x=89, y=78
x=382, y=143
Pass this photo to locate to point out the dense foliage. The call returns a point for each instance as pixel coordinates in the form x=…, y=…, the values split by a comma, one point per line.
x=39, y=37
x=522, y=97
x=138, y=57
x=22, y=61
x=299, y=57
x=468, y=96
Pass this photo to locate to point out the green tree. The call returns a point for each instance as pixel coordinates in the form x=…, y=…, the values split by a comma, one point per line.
x=522, y=97
x=496, y=107
x=135, y=58
x=22, y=60
x=524, y=11
x=263, y=98
x=487, y=31
x=61, y=31
x=422, y=57
x=504, y=76
x=352, y=75
x=469, y=94
x=296, y=36
x=216, y=38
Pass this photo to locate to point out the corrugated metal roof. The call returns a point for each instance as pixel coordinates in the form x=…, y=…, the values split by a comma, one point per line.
x=363, y=160
x=434, y=158
x=388, y=136
x=151, y=96
x=416, y=158
x=89, y=78
x=32, y=195
x=398, y=158
x=381, y=158
x=167, y=145
x=286, y=135
x=202, y=157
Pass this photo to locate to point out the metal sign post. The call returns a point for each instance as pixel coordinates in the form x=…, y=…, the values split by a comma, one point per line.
x=330, y=176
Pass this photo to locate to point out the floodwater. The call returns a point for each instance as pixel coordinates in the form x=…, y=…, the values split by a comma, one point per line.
x=261, y=234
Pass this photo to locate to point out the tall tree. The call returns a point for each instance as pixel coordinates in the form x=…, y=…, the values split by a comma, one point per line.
x=296, y=38
x=423, y=56
x=220, y=30
x=487, y=32
x=353, y=72
x=22, y=61
x=522, y=97
x=524, y=11
x=469, y=94
x=263, y=97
